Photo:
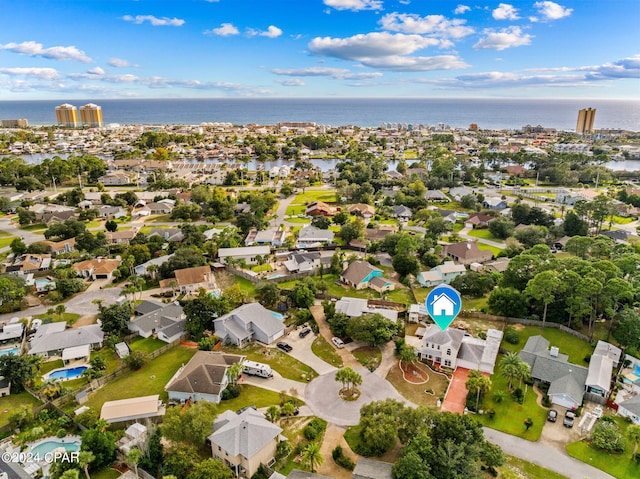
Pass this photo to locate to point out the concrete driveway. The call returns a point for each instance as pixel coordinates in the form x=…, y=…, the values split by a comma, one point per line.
x=303, y=353
x=277, y=383
x=322, y=397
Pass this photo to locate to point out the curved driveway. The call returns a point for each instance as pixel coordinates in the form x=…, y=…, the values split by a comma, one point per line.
x=322, y=397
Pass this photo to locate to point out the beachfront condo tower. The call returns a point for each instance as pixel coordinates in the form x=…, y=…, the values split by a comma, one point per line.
x=91, y=115
x=67, y=115
x=586, y=117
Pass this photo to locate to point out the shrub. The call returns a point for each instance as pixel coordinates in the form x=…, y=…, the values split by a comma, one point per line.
x=511, y=336
x=518, y=395
x=135, y=360
x=498, y=396
x=230, y=392
x=283, y=449
x=636, y=457
x=314, y=428
x=61, y=433
x=607, y=437
x=342, y=460
x=546, y=401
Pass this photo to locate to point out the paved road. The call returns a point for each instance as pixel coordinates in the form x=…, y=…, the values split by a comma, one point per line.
x=463, y=234
x=303, y=353
x=277, y=383
x=544, y=456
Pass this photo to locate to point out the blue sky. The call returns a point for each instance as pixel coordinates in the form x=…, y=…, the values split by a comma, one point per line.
x=76, y=49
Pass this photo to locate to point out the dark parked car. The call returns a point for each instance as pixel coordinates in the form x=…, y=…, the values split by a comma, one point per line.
x=284, y=346
x=304, y=332
x=569, y=417
x=552, y=415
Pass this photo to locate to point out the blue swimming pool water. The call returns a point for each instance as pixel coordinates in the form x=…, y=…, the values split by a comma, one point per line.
x=9, y=351
x=48, y=446
x=69, y=373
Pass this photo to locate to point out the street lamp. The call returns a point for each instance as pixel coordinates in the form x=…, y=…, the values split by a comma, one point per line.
x=54, y=184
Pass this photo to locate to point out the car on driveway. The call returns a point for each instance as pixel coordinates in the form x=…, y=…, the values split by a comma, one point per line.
x=284, y=346
x=552, y=415
x=337, y=342
x=569, y=417
x=304, y=332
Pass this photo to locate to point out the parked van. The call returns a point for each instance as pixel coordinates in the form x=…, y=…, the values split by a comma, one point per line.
x=257, y=369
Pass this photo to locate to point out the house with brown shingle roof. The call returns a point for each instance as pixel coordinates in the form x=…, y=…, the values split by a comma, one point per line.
x=360, y=209
x=467, y=253
x=478, y=220
x=319, y=208
x=99, y=268
x=120, y=237
x=60, y=247
x=203, y=378
x=360, y=275
x=191, y=280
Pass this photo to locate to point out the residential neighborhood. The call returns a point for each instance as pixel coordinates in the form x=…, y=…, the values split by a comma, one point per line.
x=175, y=306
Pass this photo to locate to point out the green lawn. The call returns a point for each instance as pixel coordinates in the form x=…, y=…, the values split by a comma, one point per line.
x=9, y=404
x=369, y=357
x=6, y=240
x=309, y=196
x=105, y=474
x=402, y=295
x=150, y=379
x=295, y=210
x=509, y=415
x=516, y=468
x=321, y=348
x=618, y=465
x=252, y=396
x=261, y=268
x=621, y=220
x=4, y=234
x=70, y=318
x=39, y=228
x=417, y=393
x=457, y=227
x=146, y=345
x=486, y=247
x=576, y=348
x=288, y=366
x=484, y=234
x=50, y=366
x=298, y=220
x=467, y=303
x=245, y=285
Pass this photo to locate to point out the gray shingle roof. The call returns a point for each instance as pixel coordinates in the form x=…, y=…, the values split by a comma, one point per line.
x=632, y=405
x=372, y=469
x=203, y=373
x=243, y=434
x=253, y=313
x=53, y=341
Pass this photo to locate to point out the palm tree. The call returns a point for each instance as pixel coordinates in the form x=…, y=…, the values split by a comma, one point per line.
x=84, y=458
x=173, y=284
x=272, y=414
x=60, y=309
x=633, y=431
x=510, y=367
x=478, y=383
x=407, y=354
x=133, y=458
x=311, y=456
x=152, y=270
x=233, y=372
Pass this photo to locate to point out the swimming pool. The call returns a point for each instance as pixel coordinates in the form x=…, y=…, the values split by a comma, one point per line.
x=13, y=350
x=67, y=373
x=50, y=444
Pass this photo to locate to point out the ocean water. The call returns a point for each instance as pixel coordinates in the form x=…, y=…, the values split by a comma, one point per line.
x=457, y=113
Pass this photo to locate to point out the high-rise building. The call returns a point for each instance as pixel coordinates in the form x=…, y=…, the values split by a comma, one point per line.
x=586, y=117
x=91, y=115
x=17, y=123
x=67, y=115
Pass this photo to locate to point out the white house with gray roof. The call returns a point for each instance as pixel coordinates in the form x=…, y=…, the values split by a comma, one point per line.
x=372, y=469
x=167, y=321
x=53, y=338
x=311, y=237
x=441, y=274
x=143, y=269
x=249, y=253
x=249, y=322
x=244, y=441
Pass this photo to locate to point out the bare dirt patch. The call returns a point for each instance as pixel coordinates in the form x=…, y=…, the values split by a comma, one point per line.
x=333, y=436
x=413, y=373
x=85, y=320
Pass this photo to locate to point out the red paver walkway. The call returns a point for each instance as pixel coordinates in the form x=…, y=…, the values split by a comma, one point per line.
x=456, y=397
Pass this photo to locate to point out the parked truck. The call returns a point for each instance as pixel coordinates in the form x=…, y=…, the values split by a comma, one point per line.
x=257, y=369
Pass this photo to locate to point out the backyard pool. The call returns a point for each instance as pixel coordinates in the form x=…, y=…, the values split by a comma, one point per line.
x=66, y=373
x=45, y=446
x=13, y=350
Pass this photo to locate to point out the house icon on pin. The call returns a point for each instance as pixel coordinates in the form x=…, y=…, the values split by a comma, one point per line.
x=442, y=305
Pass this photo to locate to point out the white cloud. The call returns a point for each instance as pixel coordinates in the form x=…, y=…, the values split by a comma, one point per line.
x=503, y=39
x=120, y=63
x=552, y=10
x=415, y=64
x=154, y=21
x=34, y=49
x=430, y=24
x=96, y=71
x=337, y=73
x=460, y=9
x=354, y=5
x=271, y=32
x=43, y=73
x=367, y=45
x=291, y=82
x=505, y=12
x=224, y=30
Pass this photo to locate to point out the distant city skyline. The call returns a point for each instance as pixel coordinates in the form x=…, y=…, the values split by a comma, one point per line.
x=77, y=50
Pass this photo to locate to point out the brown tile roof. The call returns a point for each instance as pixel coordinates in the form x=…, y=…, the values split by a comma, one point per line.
x=98, y=265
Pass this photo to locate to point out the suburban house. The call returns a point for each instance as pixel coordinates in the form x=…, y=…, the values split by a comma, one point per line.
x=116, y=178
x=436, y=195
x=311, y=237
x=167, y=234
x=441, y=274
x=566, y=381
x=453, y=348
x=167, y=321
x=155, y=208
x=203, y=378
x=630, y=407
x=604, y=359
x=494, y=203
x=270, y=236
x=371, y=469
x=459, y=191
x=401, y=212
x=361, y=209
x=132, y=409
x=190, y=280
x=29, y=263
x=244, y=441
x=249, y=322
x=11, y=331
x=303, y=262
x=478, y=220
x=60, y=247
x=112, y=212
x=99, y=268
x=56, y=217
x=120, y=237
x=354, y=307
x=144, y=268
x=319, y=208
x=467, y=253
x=417, y=313
x=249, y=254
x=361, y=275
x=134, y=435
x=53, y=339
